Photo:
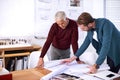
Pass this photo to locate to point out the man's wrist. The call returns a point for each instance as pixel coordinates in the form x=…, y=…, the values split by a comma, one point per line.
x=96, y=66
x=73, y=58
x=41, y=58
x=77, y=59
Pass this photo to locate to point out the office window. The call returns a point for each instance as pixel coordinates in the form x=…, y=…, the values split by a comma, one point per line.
x=112, y=11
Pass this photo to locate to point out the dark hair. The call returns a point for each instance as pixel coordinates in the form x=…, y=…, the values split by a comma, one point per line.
x=85, y=18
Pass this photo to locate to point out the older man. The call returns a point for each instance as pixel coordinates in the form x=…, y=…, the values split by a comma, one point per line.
x=62, y=34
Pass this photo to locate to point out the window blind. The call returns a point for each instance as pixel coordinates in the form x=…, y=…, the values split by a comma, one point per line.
x=112, y=11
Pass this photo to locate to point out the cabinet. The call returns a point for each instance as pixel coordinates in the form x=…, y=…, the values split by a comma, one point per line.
x=16, y=51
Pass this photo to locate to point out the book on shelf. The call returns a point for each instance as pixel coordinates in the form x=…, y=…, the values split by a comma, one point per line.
x=1, y=62
x=25, y=62
x=19, y=63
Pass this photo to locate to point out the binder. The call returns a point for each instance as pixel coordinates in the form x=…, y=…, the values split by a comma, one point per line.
x=25, y=62
x=1, y=62
x=19, y=63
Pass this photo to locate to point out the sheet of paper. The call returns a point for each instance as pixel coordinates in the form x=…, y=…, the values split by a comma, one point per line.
x=4, y=71
x=51, y=64
x=108, y=75
x=104, y=67
x=77, y=68
x=88, y=77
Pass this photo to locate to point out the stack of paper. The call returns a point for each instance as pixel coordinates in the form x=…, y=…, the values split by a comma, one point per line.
x=75, y=69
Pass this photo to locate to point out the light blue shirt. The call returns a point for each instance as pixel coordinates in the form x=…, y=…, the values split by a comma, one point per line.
x=108, y=43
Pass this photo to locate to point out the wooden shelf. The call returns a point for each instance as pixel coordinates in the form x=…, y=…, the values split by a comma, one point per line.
x=17, y=54
x=1, y=54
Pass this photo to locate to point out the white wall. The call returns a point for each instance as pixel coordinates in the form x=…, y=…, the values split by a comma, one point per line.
x=16, y=17
x=94, y=7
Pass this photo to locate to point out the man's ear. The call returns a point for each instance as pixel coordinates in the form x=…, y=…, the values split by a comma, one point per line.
x=90, y=24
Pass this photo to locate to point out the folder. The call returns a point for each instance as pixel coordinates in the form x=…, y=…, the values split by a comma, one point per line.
x=5, y=75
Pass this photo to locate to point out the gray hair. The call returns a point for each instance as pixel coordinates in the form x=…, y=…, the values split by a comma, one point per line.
x=60, y=15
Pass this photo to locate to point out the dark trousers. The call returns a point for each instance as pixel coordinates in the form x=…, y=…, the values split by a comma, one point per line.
x=110, y=62
x=113, y=68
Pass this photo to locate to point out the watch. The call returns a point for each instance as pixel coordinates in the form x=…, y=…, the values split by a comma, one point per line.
x=96, y=66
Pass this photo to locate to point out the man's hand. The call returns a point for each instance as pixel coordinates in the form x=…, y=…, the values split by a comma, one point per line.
x=40, y=63
x=93, y=69
x=80, y=62
x=69, y=60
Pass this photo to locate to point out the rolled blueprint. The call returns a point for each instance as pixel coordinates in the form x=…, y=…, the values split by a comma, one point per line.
x=55, y=72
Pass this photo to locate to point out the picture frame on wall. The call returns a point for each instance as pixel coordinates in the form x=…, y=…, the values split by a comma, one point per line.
x=75, y=3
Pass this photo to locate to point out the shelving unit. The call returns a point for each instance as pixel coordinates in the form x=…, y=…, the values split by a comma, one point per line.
x=16, y=52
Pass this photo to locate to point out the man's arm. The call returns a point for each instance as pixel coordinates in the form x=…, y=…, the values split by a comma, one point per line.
x=74, y=40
